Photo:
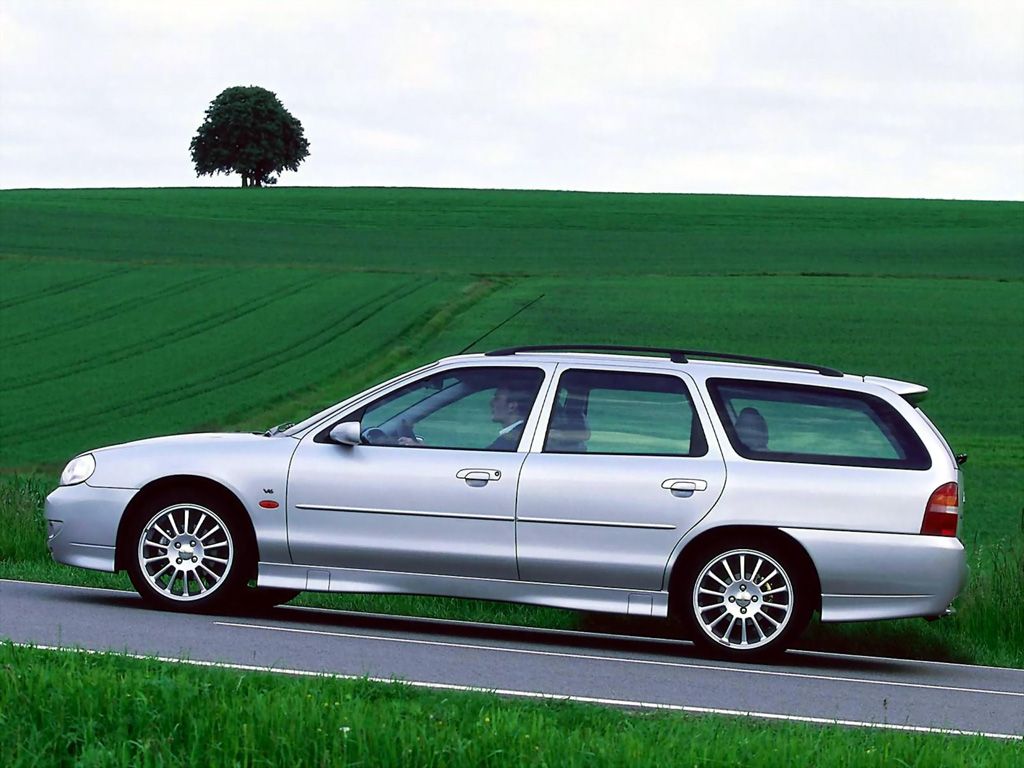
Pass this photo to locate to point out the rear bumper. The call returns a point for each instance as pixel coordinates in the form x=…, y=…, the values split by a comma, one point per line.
x=867, y=576
x=82, y=523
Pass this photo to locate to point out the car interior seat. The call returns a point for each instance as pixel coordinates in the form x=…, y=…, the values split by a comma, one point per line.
x=569, y=431
x=752, y=429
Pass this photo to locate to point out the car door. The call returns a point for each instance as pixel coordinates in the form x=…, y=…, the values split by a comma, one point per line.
x=623, y=464
x=432, y=486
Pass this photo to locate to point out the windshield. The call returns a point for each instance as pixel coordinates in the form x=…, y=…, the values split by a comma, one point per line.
x=316, y=418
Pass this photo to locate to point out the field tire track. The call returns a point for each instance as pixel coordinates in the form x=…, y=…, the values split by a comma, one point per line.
x=12, y=265
x=56, y=290
x=246, y=370
x=186, y=331
x=107, y=312
x=398, y=344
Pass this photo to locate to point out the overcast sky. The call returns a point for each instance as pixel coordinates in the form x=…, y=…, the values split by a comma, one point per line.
x=900, y=99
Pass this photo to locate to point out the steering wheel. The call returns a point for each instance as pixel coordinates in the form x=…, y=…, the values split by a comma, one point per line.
x=375, y=436
x=404, y=430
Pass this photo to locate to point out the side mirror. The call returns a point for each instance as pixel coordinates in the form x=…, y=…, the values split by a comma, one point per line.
x=347, y=433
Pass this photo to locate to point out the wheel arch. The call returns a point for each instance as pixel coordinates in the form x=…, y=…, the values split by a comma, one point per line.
x=203, y=485
x=729, y=535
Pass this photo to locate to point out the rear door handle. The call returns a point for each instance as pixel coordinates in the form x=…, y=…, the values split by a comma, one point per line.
x=683, y=487
x=478, y=476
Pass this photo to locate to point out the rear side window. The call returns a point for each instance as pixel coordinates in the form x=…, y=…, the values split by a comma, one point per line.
x=608, y=412
x=768, y=421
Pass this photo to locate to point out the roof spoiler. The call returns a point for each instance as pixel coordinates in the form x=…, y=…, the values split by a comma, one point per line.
x=908, y=390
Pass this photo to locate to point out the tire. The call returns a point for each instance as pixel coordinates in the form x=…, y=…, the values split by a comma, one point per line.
x=191, y=551
x=745, y=603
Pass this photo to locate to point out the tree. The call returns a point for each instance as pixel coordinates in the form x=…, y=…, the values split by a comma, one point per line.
x=247, y=130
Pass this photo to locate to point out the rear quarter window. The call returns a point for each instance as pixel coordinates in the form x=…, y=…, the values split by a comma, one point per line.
x=768, y=421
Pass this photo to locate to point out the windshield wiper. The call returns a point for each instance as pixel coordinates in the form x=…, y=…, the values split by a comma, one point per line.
x=279, y=428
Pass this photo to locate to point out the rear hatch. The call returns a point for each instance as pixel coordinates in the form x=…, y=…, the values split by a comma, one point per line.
x=915, y=394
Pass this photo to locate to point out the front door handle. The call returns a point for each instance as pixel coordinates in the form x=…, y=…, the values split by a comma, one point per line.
x=683, y=487
x=478, y=477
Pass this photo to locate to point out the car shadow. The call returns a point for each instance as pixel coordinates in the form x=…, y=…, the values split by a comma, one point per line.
x=650, y=639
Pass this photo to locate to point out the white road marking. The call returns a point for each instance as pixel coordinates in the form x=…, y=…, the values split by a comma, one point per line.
x=545, y=630
x=67, y=586
x=619, y=659
x=534, y=694
x=866, y=657
x=629, y=638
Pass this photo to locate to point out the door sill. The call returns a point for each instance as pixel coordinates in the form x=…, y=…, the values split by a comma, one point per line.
x=635, y=602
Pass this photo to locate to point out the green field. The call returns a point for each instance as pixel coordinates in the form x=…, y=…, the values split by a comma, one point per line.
x=131, y=313
x=186, y=346
x=74, y=709
x=574, y=235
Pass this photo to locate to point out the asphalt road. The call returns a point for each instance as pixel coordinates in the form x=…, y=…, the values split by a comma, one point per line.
x=854, y=690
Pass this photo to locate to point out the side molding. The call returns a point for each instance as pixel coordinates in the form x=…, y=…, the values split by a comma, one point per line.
x=579, y=598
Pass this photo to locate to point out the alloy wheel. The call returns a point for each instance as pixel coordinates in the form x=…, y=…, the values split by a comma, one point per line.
x=185, y=552
x=743, y=599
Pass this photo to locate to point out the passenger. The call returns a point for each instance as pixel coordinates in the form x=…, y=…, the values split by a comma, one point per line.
x=752, y=429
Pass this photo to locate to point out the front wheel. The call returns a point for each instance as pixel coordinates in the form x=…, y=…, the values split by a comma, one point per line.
x=745, y=603
x=188, y=554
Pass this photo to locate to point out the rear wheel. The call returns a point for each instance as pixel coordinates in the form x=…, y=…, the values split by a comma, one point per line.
x=746, y=603
x=189, y=552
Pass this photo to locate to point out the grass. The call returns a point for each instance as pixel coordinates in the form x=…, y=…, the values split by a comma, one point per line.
x=60, y=708
x=130, y=313
x=187, y=356
x=573, y=235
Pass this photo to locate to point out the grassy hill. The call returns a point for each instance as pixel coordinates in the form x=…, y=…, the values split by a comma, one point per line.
x=130, y=313
x=127, y=313
x=568, y=234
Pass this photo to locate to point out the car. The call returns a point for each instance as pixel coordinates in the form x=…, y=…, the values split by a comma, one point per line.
x=735, y=494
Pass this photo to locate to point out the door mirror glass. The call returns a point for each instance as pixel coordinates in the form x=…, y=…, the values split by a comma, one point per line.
x=346, y=433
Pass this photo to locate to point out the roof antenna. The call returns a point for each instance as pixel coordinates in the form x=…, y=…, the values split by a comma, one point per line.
x=510, y=317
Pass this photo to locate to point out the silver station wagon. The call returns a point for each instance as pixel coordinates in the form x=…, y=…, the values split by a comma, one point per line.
x=736, y=494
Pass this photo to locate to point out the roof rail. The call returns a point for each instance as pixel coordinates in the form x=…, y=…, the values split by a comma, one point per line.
x=676, y=355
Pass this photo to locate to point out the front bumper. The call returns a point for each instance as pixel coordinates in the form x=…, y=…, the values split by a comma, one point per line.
x=82, y=523
x=867, y=576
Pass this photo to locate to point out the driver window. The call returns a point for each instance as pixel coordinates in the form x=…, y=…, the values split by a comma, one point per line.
x=466, y=408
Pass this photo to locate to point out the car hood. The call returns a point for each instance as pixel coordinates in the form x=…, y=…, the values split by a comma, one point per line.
x=230, y=458
x=192, y=440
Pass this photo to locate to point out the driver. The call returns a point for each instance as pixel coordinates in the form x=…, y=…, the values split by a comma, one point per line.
x=509, y=407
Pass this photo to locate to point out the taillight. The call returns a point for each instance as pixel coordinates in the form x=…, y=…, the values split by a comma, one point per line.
x=943, y=511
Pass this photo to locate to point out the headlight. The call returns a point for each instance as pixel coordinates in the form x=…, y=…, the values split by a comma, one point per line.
x=78, y=470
